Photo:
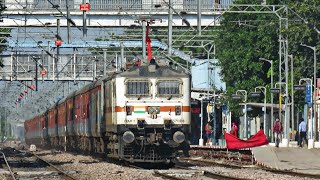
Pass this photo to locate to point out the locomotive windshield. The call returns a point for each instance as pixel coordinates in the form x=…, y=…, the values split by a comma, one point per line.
x=137, y=87
x=168, y=87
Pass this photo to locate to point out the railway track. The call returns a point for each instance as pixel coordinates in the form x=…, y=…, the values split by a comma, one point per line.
x=215, y=163
x=62, y=173
x=185, y=173
x=28, y=165
x=268, y=169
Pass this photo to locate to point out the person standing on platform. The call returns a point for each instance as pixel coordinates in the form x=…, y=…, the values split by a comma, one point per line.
x=234, y=130
x=208, y=129
x=277, y=130
x=302, y=132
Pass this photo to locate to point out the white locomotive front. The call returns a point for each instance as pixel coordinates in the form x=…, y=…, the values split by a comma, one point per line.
x=148, y=114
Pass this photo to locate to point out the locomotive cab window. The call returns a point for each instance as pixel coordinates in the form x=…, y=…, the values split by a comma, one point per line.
x=137, y=88
x=169, y=88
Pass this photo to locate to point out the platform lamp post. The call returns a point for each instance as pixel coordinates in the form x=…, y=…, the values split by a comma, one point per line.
x=314, y=48
x=256, y=93
x=271, y=85
x=242, y=94
x=309, y=82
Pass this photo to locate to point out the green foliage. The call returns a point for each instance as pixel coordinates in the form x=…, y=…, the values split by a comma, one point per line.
x=243, y=38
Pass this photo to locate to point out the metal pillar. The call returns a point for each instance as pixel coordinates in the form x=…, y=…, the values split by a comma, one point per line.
x=292, y=95
x=283, y=59
x=104, y=62
x=74, y=65
x=287, y=116
x=199, y=16
x=84, y=21
x=201, y=125
x=53, y=67
x=68, y=22
x=245, y=95
x=315, y=88
x=199, y=4
x=58, y=48
x=214, y=119
x=48, y=59
x=42, y=62
x=144, y=32
x=314, y=106
x=94, y=71
x=123, y=63
x=170, y=28
x=309, y=82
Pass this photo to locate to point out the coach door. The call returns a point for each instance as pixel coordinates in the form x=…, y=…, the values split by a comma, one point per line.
x=114, y=100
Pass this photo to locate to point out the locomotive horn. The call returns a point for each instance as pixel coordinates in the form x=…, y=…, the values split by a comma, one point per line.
x=179, y=137
x=128, y=137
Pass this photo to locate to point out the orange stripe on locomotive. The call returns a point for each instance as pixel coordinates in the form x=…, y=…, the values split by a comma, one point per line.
x=162, y=109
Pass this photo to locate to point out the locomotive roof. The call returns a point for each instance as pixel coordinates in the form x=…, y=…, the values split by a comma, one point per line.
x=160, y=71
x=137, y=71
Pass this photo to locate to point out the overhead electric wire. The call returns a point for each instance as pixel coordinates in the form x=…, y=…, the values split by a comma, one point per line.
x=68, y=19
x=81, y=39
x=45, y=50
x=58, y=85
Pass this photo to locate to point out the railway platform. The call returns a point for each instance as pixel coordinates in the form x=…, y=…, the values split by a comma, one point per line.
x=297, y=159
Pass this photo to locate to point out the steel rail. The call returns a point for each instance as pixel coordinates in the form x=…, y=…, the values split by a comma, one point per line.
x=5, y=160
x=289, y=172
x=166, y=176
x=262, y=167
x=62, y=173
x=213, y=175
x=217, y=163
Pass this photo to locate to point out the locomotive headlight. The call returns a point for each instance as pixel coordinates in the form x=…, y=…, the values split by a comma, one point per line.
x=178, y=110
x=128, y=137
x=179, y=137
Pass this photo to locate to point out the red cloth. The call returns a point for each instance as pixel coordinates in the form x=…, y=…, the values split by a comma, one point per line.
x=233, y=142
x=149, y=51
x=148, y=41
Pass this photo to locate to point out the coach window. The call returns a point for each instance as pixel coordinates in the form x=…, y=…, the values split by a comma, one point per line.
x=169, y=88
x=137, y=88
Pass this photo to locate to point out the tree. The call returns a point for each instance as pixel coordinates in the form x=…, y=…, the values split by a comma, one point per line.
x=243, y=38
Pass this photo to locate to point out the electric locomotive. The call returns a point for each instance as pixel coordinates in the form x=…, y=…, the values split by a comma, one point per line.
x=139, y=115
x=147, y=113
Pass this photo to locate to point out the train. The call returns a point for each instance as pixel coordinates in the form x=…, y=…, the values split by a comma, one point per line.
x=138, y=115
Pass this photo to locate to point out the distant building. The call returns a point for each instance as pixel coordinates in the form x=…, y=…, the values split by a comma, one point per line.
x=206, y=75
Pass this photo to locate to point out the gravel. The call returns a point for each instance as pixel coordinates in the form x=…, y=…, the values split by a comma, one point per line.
x=89, y=168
